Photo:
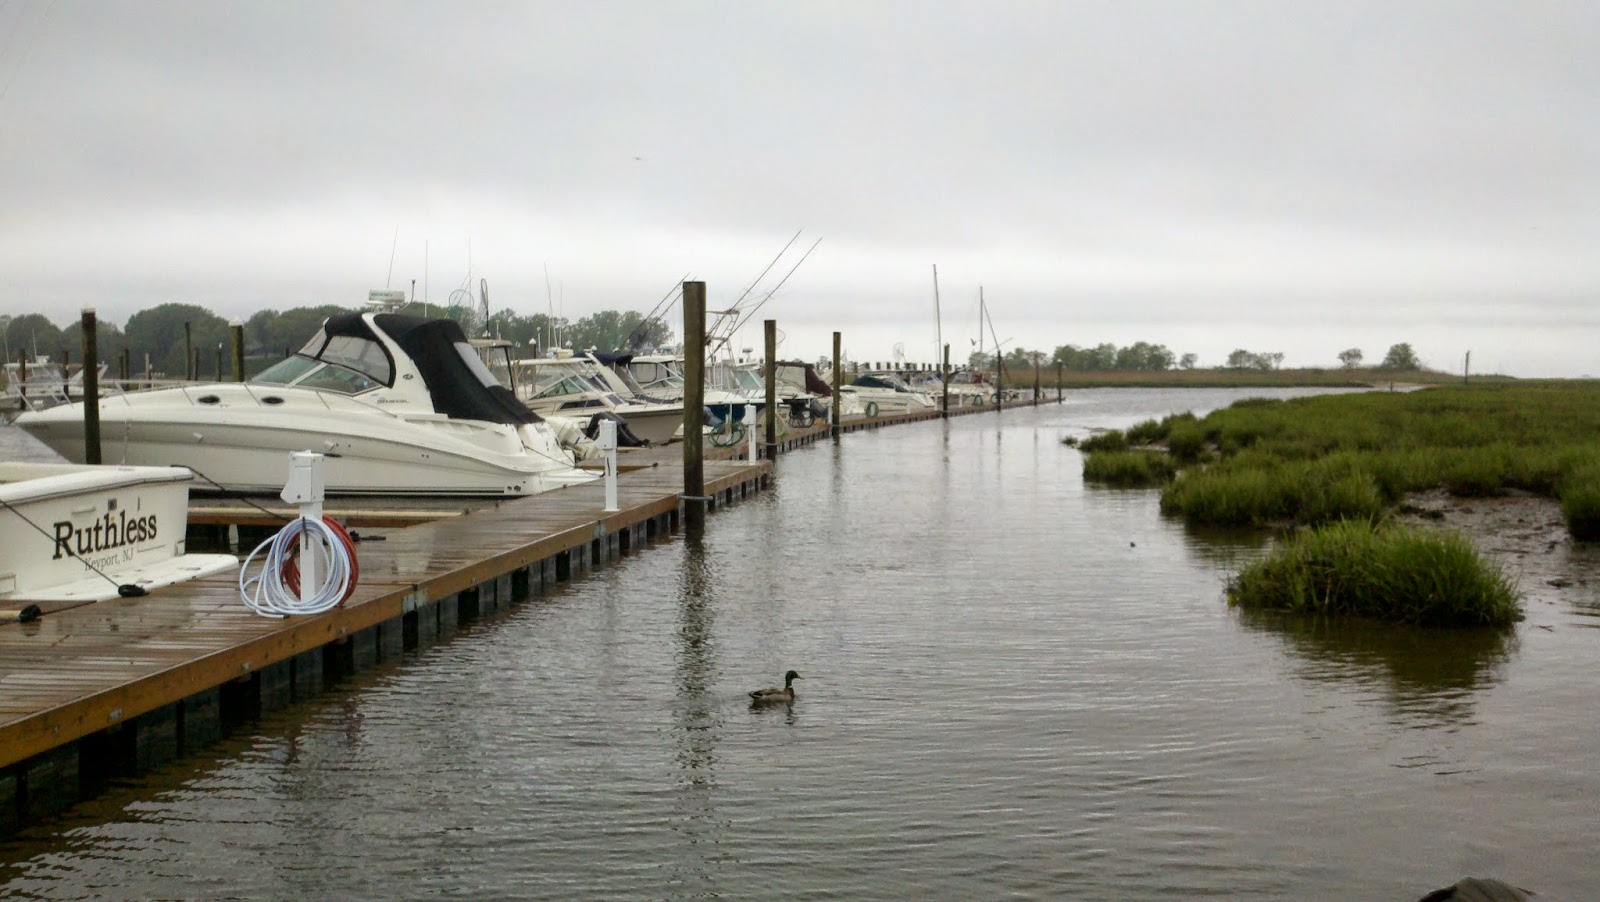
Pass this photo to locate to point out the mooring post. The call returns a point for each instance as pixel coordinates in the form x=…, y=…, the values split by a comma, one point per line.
x=236, y=334
x=219, y=361
x=838, y=380
x=189, y=366
x=1058, y=382
x=750, y=419
x=772, y=388
x=1037, y=391
x=694, y=400
x=944, y=378
x=608, y=450
x=126, y=369
x=91, y=388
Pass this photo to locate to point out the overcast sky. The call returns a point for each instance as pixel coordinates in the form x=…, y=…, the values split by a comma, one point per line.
x=1300, y=177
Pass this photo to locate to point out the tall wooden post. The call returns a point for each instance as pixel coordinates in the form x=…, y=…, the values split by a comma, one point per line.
x=772, y=388
x=219, y=361
x=1058, y=382
x=944, y=379
x=838, y=380
x=125, y=370
x=91, y=388
x=694, y=405
x=236, y=333
x=189, y=366
x=1037, y=391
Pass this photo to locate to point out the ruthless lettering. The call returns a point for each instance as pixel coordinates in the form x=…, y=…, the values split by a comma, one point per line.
x=110, y=532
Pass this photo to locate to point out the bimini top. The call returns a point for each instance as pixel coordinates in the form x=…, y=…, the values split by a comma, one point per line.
x=458, y=383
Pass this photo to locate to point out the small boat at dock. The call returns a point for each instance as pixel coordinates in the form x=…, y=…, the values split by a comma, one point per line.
x=77, y=532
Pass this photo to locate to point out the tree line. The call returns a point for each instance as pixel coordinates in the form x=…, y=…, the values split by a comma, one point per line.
x=179, y=339
x=1144, y=356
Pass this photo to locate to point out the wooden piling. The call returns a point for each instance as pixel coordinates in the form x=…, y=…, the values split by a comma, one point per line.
x=694, y=402
x=1037, y=391
x=91, y=388
x=838, y=380
x=189, y=366
x=236, y=334
x=772, y=388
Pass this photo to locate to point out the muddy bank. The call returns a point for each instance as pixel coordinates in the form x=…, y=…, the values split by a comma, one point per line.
x=1526, y=534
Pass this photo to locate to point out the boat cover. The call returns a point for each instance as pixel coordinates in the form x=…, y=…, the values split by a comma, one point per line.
x=456, y=390
x=815, y=384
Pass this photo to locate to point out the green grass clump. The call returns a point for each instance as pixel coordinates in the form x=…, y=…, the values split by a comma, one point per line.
x=1114, y=440
x=1129, y=468
x=1147, y=433
x=1358, y=569
x=1186, y=440
x=1580, y=504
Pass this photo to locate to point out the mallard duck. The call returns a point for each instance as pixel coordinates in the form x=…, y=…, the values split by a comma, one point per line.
x=774, y=694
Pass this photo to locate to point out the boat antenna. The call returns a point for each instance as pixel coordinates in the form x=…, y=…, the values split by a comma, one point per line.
x=938, y=323
x=394, y=243
x=550, y=321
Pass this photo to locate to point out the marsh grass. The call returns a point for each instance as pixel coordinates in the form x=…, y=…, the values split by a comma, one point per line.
x=1389, y=572
x=1129, y=469
x=1318, y=459
x=1580, y=503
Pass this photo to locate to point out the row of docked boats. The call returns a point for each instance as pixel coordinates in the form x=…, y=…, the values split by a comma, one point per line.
x=401, y=405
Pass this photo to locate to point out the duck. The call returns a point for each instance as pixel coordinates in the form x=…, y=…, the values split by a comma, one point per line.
x=774, y=694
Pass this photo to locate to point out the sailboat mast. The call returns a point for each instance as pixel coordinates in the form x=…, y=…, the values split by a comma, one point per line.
x=938, y=320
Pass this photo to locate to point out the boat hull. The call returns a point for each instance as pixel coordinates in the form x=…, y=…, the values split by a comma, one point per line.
x=241, y=445
x=78, y=532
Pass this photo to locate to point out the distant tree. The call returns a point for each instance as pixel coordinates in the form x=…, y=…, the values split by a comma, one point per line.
x=1240, y=359
x=158, y=332
x=109, y=340
x=1350, y=359
x=1269, y=361
x=977, y=360
x=32, y=334
x=1019, y=359
x=1188, y=361
x=1401, y=357
x=271, y=331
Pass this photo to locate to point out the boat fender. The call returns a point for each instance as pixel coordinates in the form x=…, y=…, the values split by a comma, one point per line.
x=129, y=590
x=23, y=614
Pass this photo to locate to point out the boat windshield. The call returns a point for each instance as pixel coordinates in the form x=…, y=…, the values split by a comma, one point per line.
x=748, y=381
x=343, y=363
x=304, y=372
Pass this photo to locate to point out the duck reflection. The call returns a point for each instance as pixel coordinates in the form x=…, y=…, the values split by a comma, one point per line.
x=1429, y=676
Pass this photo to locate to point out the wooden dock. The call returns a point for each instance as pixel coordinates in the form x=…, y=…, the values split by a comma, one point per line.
x=94, y=691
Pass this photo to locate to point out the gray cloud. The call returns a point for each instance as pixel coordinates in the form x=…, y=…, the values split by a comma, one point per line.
x=1300, y=176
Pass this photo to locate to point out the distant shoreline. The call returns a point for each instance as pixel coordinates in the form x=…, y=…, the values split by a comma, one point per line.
x=1236, y=378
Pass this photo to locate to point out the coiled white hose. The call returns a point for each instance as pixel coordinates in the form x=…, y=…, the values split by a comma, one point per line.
x=270, y=594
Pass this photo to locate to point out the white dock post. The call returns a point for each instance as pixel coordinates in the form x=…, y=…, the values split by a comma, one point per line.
x=305, y=489
x=608, y=453
x=750, y=428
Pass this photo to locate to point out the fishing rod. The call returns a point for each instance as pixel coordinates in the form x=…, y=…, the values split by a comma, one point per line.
x=670, y=298
x=769, y=295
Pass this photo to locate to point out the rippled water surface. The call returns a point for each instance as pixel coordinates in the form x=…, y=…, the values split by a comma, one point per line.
x=1013, y=685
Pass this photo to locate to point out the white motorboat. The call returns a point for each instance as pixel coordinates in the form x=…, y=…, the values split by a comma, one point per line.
x=39, y=385
x=76, y=532
x=399, y=405
x=573, y=386
x=884, y=392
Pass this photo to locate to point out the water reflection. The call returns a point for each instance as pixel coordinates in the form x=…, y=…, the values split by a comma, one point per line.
x=697, y=724
x=1430, y=677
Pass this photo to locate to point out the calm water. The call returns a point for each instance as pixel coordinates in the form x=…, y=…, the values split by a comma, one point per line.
x=1013, y=685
